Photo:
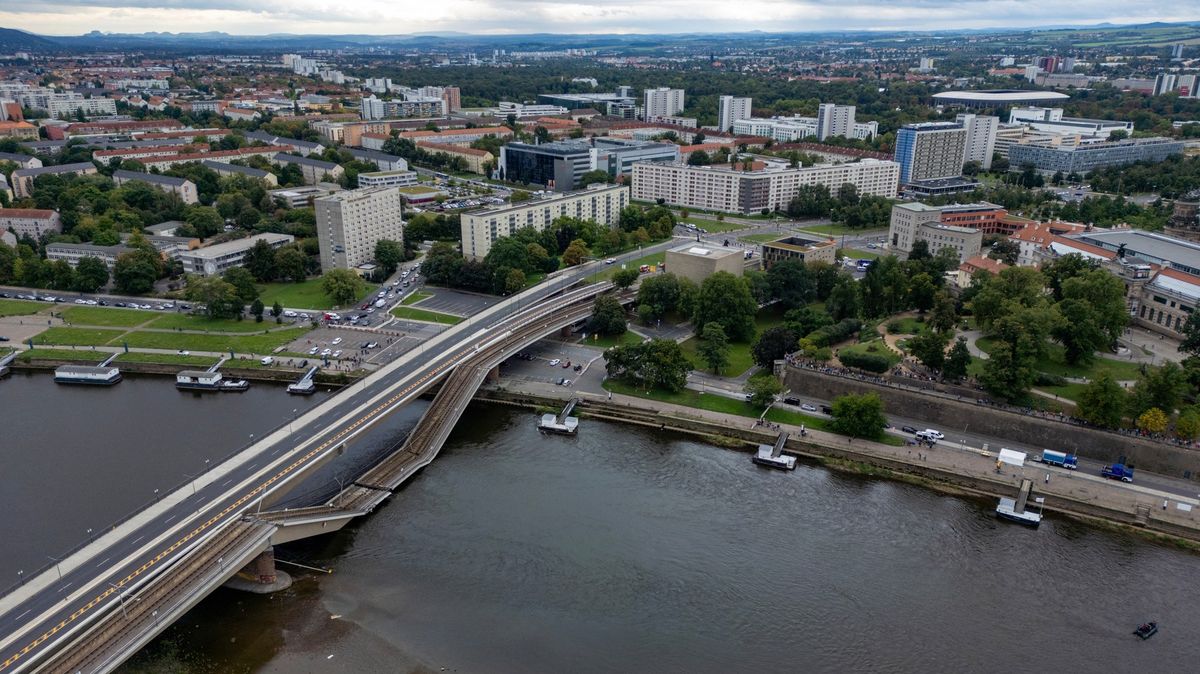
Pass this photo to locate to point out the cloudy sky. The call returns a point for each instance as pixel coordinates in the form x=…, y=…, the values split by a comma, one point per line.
x=71, y=17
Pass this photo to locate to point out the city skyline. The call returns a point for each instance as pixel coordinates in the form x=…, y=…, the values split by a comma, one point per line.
x=377, y=17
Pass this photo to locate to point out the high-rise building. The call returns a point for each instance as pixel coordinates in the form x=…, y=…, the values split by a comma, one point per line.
x=1164, y=83
x=731, y=109
x=1177, y=51
x=981, y=138
x=662, y=102
x=1031, y=72
x=350, y=223
x=453, y=98
x=930, y=150
x=834, y=120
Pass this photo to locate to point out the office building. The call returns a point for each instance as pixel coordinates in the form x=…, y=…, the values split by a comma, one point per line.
x=72, y=253
x=768, y=186
x=980, y=141
x=731, y=109
x=371, y=107
x=986, y=218
x=799, y=247
x=1084, y=158
x=1051, y=120
x=181, y=187
x=216, y=259
x=387, y=179
x=600, y=203
x=32, y=222
x=915, y=221
x=697, y=261
x=560, y=165
x=619, y=104
x=662, y=102
x=525, y=110
x=930, y=150
x=350, y=223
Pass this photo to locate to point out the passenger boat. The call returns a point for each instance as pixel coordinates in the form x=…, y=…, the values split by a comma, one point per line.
x=87, y=374
x=235, y=385
x=1146, y=630
x=198, y=380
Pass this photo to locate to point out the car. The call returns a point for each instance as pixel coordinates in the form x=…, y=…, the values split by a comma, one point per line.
x=5, y=295
x=289, y=314
x=185, y=307
x=827, y=409
x=119, y=304
x=314, y=351
x=872, y=246
x=372, y=345
x=555, y=362
x=566, y=364
x=611, y=260
x=81, y=301
x=168, y=305
x=337, y=354
x=336, y=341
x=566, y=382
x=326, y=352
x=370, y=310
x=929, y=435
x=578, y=368
x=3, y=338
x=304, y=317
x=103, y=303
x=808, y=408
x=908, y=429
x=791, y=400
x=184, y=353
x=267, y=360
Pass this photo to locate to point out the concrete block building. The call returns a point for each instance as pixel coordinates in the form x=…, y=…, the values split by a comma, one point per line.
x=350, y=223
x=697, y=261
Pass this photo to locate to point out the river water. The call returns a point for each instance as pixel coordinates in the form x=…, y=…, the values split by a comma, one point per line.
x=631, y=550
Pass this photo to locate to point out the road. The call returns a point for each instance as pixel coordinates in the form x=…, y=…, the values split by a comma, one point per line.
x=62, y=598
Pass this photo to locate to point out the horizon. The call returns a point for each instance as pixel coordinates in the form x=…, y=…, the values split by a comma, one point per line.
x=68, y=18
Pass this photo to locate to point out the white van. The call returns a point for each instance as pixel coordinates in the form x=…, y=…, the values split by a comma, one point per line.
x=267, y=360
x=930, y=435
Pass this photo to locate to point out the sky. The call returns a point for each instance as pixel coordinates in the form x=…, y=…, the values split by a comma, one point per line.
x=257, y=17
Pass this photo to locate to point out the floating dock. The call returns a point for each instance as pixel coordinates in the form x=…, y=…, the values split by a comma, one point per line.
x=1014, y=510
x=305, y=385
x=563, y=423
x=773, y=457
x=95, y=375
x=4, y=369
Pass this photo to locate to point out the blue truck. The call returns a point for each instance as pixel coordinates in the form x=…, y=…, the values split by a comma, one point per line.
x=1060, y=459
x=1118, y=471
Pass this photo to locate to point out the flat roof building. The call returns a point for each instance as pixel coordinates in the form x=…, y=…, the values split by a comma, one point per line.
x=801, y=248
x=998, y=98
x=915, y=221
x=697, y=261
x=600, y=203
x=1087, y=157
x=217, y=258
x=350, y=223
x=930, y=151
x=387, y=179
x=181, y=187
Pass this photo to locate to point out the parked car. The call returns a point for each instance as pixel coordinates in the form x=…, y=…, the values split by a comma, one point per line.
x=336, y=341
x=555, y=362
x=808, y=408
x=791, y=400
x=908, y=429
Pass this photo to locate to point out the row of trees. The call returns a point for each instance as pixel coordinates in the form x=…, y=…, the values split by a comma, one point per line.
x=848, y=207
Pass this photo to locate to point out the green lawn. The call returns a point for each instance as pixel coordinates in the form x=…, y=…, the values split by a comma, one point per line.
x=18, y=308
x=1068, y=392
x=740, y=358
x=713, y=226
x=77, y=336
x=609, y=341
x=62, y=354
x=414, y=314
x=1054, y=363
x=761, y=238
x=415, y=297
x=838, y=230
x=109, y=317
x=306, y=295
x=190, y=322
x=720, y=403
x=175, y=341
x=168, y=359
x=908, y=325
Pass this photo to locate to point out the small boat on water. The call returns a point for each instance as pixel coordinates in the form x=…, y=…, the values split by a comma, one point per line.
x=1146, y=630
x=235, y=385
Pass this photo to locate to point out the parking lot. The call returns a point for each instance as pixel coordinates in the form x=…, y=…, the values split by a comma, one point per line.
x=544, y=360
x=455, y=302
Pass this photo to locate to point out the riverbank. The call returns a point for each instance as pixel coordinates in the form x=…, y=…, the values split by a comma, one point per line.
x=233, y=369
x=966, y=471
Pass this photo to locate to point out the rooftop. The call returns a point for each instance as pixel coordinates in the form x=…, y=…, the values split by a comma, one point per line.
x=25, y=213
x=1149, y=245
x=701, y=250
x=799, y=243
x=150, y=178
x=237, y=245
x=61, y=168
x=1001, y=96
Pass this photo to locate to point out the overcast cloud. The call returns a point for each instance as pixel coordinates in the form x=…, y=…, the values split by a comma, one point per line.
x=71, y=17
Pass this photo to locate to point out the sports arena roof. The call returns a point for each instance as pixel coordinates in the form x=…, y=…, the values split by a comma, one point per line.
x=998, y=97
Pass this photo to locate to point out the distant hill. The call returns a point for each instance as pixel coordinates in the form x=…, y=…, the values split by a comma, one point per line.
x=12, y=40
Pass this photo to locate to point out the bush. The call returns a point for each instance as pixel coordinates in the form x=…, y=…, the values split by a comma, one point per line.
x=832, y=334
x=1047, y=379
x=893, y=328
x=865, y=361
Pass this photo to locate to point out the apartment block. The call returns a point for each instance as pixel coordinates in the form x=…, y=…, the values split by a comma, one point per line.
x=182, y=187
x=980, y=138
x=350, y=223
x=731, y=109
x=216, y=259
x=601, y=203
x=476, y=160
x=733, y=190
x=32, y=222
x=22, y=179
x=930, y=151
x=662, y=102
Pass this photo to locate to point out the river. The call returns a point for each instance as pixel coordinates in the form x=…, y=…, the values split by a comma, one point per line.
x=632, y=550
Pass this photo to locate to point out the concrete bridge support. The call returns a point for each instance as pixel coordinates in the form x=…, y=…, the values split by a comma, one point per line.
x=260, y=576
x=494, y=374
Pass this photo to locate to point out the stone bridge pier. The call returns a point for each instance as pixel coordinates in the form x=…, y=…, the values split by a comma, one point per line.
x=260, y=576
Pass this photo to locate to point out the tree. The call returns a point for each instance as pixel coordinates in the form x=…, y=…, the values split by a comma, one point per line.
x=805, y=320
x=291, y=264
x=699, y=158
x=514, y=281
x=260, y=261
x=608, y=316
x=772, y=345
x=1160, y=387
x=217, y=296
x=133, y=274
x=1094, y=313
x=62, y=275
x=624, y=278
x=276, y=309
x=205, y=221
x=659, y=363
x=241, y=279
x=884, y=287
x=342, y=286
x=929, y=347
x=388, y=254
x=726, y=299
x=945, y=313
x=859, y=416
x=256, y=310
x=1152, y=420
x=1103, y=402
x=921, y=292
x=1187, y=426
x=791, y=283
x=594, y=176
x=957, y=361
x=762, y=389
x=844, y=300
x=1191, y=335
x=91, y=275
x=576, y=253
x=714, y=347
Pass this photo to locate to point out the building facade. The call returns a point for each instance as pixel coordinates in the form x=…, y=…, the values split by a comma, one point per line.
x=698, y=261
x=800, y=248
x=980, y=141
x=216, y=259
x=350, y=223
x=915, y=221
x=181, y=187
x=600, y=203
x=32, y=222
x=731, y=109
x=930, y=151
x=662, y=102
x=1084, y=158
x=387, y=179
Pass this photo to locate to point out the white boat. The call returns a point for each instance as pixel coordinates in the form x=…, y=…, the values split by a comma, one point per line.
x=87, y=374
x=198, y=380
x=235, y=385
x=1007, y=510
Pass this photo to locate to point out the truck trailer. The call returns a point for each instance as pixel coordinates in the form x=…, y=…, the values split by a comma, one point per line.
x=1060, y=459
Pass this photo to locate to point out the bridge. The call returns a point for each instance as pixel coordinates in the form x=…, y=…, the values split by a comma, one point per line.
x=94, y=609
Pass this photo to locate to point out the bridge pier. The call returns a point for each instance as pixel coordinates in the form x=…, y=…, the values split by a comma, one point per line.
x=565, y=332
x=493, y=374
x=260, y=576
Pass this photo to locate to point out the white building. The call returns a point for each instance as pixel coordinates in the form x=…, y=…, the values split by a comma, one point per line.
x=731, y=109
x=722, y=188
x=523, y=110
x=387, y=179
x=791, y=129
x=981, y=137
x=350, y=223
x=215, y=259
x=600, y=203
x=1051, y=120
x=835, y=120
x=662, y=102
